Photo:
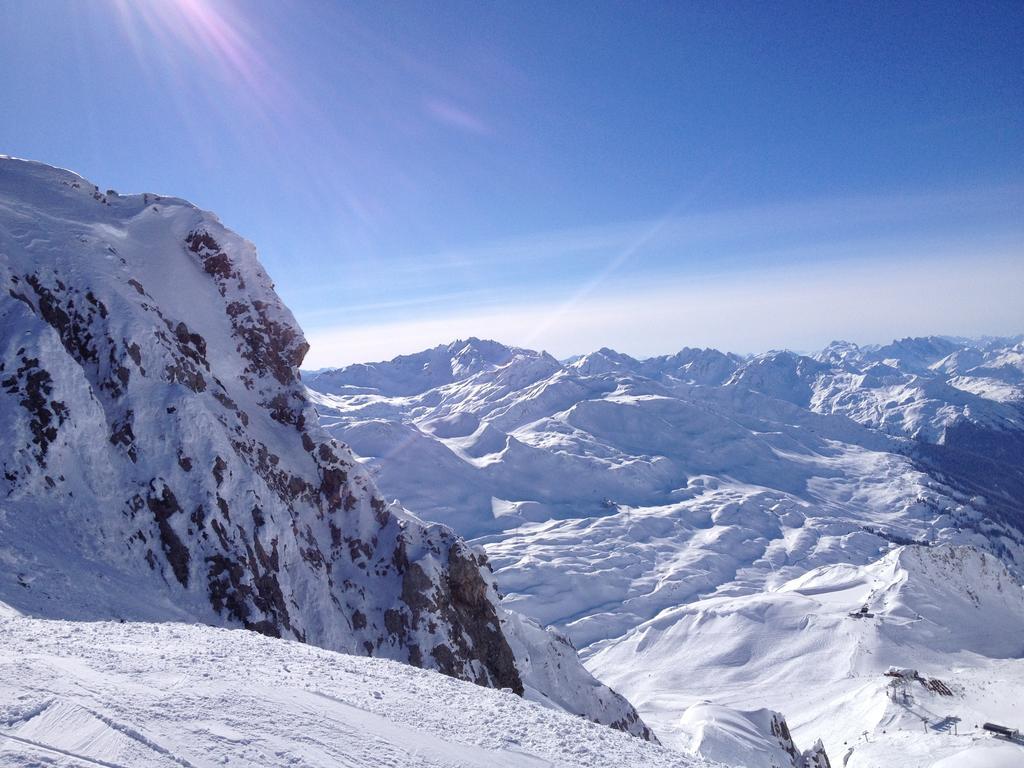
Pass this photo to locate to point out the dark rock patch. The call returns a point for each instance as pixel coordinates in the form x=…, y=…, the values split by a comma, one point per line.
x=164, y=506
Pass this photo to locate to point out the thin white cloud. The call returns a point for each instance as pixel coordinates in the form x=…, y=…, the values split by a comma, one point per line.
x=455, y=116
x=335, y=311
x=813, y=218
x=797, y=307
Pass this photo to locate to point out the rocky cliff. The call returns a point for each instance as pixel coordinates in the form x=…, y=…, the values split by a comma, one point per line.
x=161, y=459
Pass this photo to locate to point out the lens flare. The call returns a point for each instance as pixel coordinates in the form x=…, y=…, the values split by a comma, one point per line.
x=218, y=36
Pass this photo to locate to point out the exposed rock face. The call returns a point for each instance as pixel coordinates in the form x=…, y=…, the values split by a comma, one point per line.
x=161, y=459
x=815, y=757
x=755, y=739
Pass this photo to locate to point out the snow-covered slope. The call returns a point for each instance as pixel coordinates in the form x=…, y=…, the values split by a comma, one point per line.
x=161, y=459
x=818, y=648
x=80, y=694
x=611, y=492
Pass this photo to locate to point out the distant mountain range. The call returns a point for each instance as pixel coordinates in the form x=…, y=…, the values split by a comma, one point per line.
x=630, y=502
x=619, y=431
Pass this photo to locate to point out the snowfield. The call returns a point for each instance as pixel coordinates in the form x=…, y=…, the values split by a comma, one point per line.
x=670, y=514
x=80, y=694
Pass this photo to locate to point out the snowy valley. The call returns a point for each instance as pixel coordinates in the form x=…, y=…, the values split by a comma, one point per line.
x=669, y=514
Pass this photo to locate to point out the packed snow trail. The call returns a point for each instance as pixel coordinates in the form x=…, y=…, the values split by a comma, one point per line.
x=129, y=695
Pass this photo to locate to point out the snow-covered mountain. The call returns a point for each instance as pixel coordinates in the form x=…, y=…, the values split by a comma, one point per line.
x=614, y=495
x=519, y=437
x=161, y=459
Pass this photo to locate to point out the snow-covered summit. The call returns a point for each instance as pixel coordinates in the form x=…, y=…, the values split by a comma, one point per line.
x=416, y=373
x=935, y=597
x=605, y=360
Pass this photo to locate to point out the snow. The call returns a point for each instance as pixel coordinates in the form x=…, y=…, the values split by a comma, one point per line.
x=734, y=737
x=952, y=613
x=983, y=756
x=702, y=525
x=134, y=694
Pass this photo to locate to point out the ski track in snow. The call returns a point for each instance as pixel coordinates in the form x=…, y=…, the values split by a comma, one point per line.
x=136, y=694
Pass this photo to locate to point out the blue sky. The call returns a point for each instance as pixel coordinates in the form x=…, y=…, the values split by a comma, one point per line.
x=562, y=175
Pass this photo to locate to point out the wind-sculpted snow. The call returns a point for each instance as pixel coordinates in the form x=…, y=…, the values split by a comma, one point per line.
x=161, y=459
x=610, y=492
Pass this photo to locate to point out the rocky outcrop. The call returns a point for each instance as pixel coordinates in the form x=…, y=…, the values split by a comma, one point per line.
x=815, y=757
x=162, y=460
x=757, y=738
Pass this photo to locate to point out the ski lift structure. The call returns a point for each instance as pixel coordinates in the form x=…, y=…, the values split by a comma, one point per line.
x=901, y=677
x=1002, y=731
